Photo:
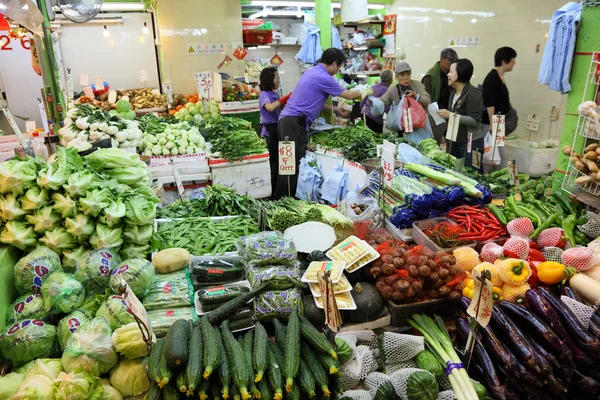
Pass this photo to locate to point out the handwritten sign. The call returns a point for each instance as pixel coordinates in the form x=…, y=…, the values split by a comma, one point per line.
x=476, y=160
x=84, y=80
x=112, y=96
x=180, y=187
x=408, y=126
x=513, y=173
x=168, y=89
x=144, y=75
x=483, y=301
x=70, y=90
x=387, y=166
x=43, y=115
x=453, y=124
x=88, y=92
x=98, y=83
x=287, y=158
x=499, y=130
x=204, y=84
x=30, y=126
x=533, y=123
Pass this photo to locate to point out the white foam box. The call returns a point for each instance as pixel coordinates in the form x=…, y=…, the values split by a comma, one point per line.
x=534, y=162
x=251, y=175
x=232, y=107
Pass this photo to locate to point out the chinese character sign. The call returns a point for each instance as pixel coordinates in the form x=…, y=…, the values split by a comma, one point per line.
x=483, y=301
x=387, y=165
x=287, y=158
x=204, y=84
x=499, y=129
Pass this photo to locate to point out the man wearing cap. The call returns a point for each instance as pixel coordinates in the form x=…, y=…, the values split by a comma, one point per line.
x=436, y=84
x=406, y=87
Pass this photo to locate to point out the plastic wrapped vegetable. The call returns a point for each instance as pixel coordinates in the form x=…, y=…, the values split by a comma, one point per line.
x=104, y=391
x=94, y=270
x=137, y=273
x=129, y=342
x=32, y=270
x=77, y=318
x=273, y=304
x=49, y=367
x=130, y=377
x=89, y=349
x=28, y=340
x=279, y=277
x=62, y=293
x=169, y=290
x=162, y=319
x=115, y=312
x=29, y=306
x=267, y=248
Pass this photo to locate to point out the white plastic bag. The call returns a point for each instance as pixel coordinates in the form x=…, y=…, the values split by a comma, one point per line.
x=488, y=157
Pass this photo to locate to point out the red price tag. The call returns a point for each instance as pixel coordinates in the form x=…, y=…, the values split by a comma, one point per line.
x=287, y=158
x=204, y=84
x=387, y=164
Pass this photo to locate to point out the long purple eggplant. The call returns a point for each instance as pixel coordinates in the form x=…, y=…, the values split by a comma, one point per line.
x=497, y=350
x=528, y=377
x=491, y=377
x=515, y=339
x=585, y=339
x=585, y=383
x=544, y=353
x=542, y=308
x=567, y=291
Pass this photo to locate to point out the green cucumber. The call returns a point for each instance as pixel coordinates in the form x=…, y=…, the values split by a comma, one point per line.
x=274, y=373
x=195, y=360
x=212, y=353
x=224, y=373
x=176, y=344
x=228, y=309
x=316, y=338
x=155, y=392
x=170, y=393
x=291, y=362
x=260, y=351
x=237, y=361
x=319, y=373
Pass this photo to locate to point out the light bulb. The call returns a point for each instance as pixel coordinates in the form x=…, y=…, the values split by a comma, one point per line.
x=145, y=29
x=106, y=33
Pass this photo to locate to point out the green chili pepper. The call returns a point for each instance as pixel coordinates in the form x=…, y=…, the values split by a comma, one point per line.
x=498, y=214
x=564, y=201
x=580, y=237
x=545, y=225
x=568, y=226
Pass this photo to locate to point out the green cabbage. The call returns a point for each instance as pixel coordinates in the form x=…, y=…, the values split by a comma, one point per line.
x=139, y=234
x=131, y=176
x=129, y=341
x=80, y=183
x=133, y=250
x=32, y=270
x=43, y=219
x=34, y=198
x=112, y=214
x=10, y=208
x=64, y=205
x=80, y=226
x=19, y=234
x=10, y=384
x=58, y=239
x=55, y=174
x=123, y=106
x=27, y=340
x=130, y=377
x=17, y=175
x=71, y=257
x=29, y=306
x=105, y=391
x=115, y=312
x=49, y=367
x=95, y=201
x=137, y=273
x=94, y=270
x=35, y=387
x=141, y=209
x=74, y=386
x=62, y=293
x=89, y=349
x=106, y=237
x=77, y=318
x=110, y=158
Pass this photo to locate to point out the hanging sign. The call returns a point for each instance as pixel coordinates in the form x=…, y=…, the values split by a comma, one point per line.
x=84, y=80
x=476, y=159
x=226, y=61
x=98, y=83
x=408, y=126
x=287, y=158
x=388, y=162
x=483, y=301
x=180, y=187
x=204, y=84
x=70, y=90
x=112, y=96
x=168, y=89
x=30, y=126
x=469, y=142
x=513, y=173
x=499, y=130
x=88, y=92
x=389, y=34
x=276, y=60
x=533, y=123
x=453, y=124
x=240, y=53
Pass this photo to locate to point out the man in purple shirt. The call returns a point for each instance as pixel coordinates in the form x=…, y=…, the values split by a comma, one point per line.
x=379, y=89
x=311, y=93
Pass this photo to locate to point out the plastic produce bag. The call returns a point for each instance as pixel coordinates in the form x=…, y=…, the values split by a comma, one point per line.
x=366, y=218
x=89, y=349
x=115, y=312
x=77, y=318
x=29, y=306
x=137, y=273
x=490, y=156
x=267, y=248
x=169, y=290
x=335, y=186
x=32, y=270
x=162, y=319
x=212, y=270
x=279, y=277
x=310, y=179
x=62, y=293
x=274, y=304
x=28, y=340
x=408, y=154
x=94, y=270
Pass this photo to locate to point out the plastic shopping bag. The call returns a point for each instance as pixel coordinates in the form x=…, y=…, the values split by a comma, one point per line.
x=335, y=186
x=491, y=156
x=310, y=179
x=419, y=134
x=393, y=121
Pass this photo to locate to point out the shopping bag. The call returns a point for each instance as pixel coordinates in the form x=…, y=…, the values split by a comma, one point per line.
x=418, y=116
x=491, y=155
x=310, y=179
x=419, y=134
x=394, y=116
x=335, y=186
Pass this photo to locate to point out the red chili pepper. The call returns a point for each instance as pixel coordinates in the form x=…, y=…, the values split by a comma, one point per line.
x=536, y=255
x=534, y=245
x=533, y=280
x=402, y=272
x=468, y=223
x=455, y=280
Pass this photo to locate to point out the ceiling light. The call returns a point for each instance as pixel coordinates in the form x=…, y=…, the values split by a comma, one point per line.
x=145, y=29
x=474, y=20
x=106, y=33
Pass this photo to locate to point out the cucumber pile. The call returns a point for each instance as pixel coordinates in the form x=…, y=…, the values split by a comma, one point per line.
x=203, y=360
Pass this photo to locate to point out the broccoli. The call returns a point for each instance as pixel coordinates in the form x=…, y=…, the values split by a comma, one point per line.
x=548, y=192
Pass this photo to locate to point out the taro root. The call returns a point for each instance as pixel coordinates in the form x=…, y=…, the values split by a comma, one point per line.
x=387, y=259
x=432, y=264
x=452, y=260
x=428, y=253
x=380, y=285
x=417, y=286
x=387, y=292
x=446, y=278
x=423, y=260
x=412, y=270
x=437, y=284
x=358, y=211
x=434, y=276
x=452, y=270
x=443, y=272
x=445, y=291
x=424, y=271
x=410, y=293
x=388, y=269
x=375, y=271
x=412, y=260
x=380, y=239
x=398, y=296
x=391, y=279
x=401, y=286
x=440, y=254
x=432, y=293
x=399, y=262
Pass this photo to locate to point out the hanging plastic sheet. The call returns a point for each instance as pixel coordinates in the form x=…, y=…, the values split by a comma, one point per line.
x=310, y=179
x=335, y=186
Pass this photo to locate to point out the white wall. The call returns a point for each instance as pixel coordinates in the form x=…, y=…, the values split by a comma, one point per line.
x=425, y=28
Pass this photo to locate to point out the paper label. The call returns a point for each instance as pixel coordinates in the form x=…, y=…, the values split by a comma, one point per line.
x=98, y=83
x=88, y=92
x=453, y=124
x=144, y=75
x=112, y=96
x=139, y=312
x=408, y=127
x=483, y=301
x=469, y=142
x=387, y=165
x=499, y=130
x=43, y=115
x=84, y=80
x=379, y=150
x=168, y=89
x=30, y=126
x=513, y=173
x=204, y=84
x=287, y=158
x=11, y=121
x=178, y=182
x=70, y=90
x=443, y=147
x=476, y=162
x=533, y=123
x=332, y=314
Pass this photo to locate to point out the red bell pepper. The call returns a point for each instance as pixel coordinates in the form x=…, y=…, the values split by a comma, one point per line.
x=536, y=255
x=533, y=279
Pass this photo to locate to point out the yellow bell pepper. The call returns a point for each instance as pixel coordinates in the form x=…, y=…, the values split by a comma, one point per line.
x=514, y=272
x=469, y=289
x=497, y=293
x=551, y=272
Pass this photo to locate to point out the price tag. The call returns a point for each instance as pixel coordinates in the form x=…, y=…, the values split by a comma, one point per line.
x=332, y=314
x=204, y=84
x=387, y=165
x=84, y=80
x=30, y=126
x=287, y=158
x=112, y=96
x=453, y=124
x=533, y=123
x=138, y=311
x=513, y=173
x=469, y=142
x=43, y=115
x=476, y=162
x=499, y=130
x=88, y=92
x=379, y=150
x=178, y=182
x=168, y=89
x=144, y=75
x=408, y=126
x=70, y=90
x=483, y=301
x=98, y=83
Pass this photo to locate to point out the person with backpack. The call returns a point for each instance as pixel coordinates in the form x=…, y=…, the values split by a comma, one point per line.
x=466, y=101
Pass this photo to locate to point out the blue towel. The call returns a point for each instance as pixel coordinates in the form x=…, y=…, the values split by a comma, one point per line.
x=311, y=51
x=335, y=187
x=310, y=179
x=336, y=42
x=555, y=68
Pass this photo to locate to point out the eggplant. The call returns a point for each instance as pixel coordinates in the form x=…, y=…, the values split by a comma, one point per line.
x=464, y=303
x=567, y=291
x=555, y=385
x=492, y=379
x=580, y=335
x=531, y=322
x=543, y=353
x=515, y=339
x=585, y=383
x=529, y=378
x=594, y=327
x=497, y=350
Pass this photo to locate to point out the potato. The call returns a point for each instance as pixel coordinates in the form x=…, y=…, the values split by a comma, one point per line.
x=566, y=150
x=591, y=147
x=580, y=166
x=171, y=260
x=591, y=165
x=591, y=155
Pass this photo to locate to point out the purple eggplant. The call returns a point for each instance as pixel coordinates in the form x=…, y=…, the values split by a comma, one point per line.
x=594, y=328
x=491, y=377
x=464, y=303
x=567, y=291
x=515, y=339
x=543, y=353
x=583, y=338
x=585, y=383
x=497, y=350
x=528, y=377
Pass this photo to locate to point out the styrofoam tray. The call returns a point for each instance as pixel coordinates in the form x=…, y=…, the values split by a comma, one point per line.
x=316, y=291
x=352, y=306
x=363, y=252
x=198, y=305
x=335, y=279
x=359, y=264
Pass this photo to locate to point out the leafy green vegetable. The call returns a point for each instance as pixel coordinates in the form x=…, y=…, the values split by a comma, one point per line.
x=71, y=257
x=74, y=386
x=59, y=239
x=113, y=214
x=104, y=391
x=32, y=269
x=80, y=182
x=10, y=384
x=28, y=306
x=106, y=237
x=430, y=148
x=55, y=174
x=134, y=250
x=129, y=342
x=19, y=174
x=137, y=273
x=115, y=312
x=94, y=269
x=81, y=226
x=62, y=293
x=27, y=340
x=34, y=198
x=64, y=205
x=36, y=387
x=138, y=234
x=89, y=349
x=103, y=159
x=18, y=234
x=130, y=377
x=140, y=209
x=10, y=208
x=43, y=219
x=95, y=201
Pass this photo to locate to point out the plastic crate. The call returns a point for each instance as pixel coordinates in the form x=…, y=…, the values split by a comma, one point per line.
x=401, y=312
x=257, y=36
x=421, y=238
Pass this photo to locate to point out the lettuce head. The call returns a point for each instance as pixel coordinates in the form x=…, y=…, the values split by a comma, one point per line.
x=81, y=226
x=132, y=250
x=113, y=214
x=62, y=293
x=103, y=159
x=19, y=234
x=71, y=257
x=32, y=270
x=106, y=237
x=139, y=234
x=27, y=340
x=10, y=208
x=34, y=198
x=95, y=201
x=74, y=386
x=49, y=367
x=17, y=175
x=131, y=176
x=44, y=219
x=79, y=183
x=29, y=306
x=137, y=273
x=35, y=387
x=55, y=174
x=94, y=269
x=104, y=391
x=129, y=341
x=58, y=239
x=76, y=319
x=130, y=377
x=64, y=205
x=115, y=312
x=141, y=209
x=10, y=384
x=89, y=349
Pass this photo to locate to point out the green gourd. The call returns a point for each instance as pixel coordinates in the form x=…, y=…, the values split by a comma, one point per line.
x=260, y=351
x=291, y=362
